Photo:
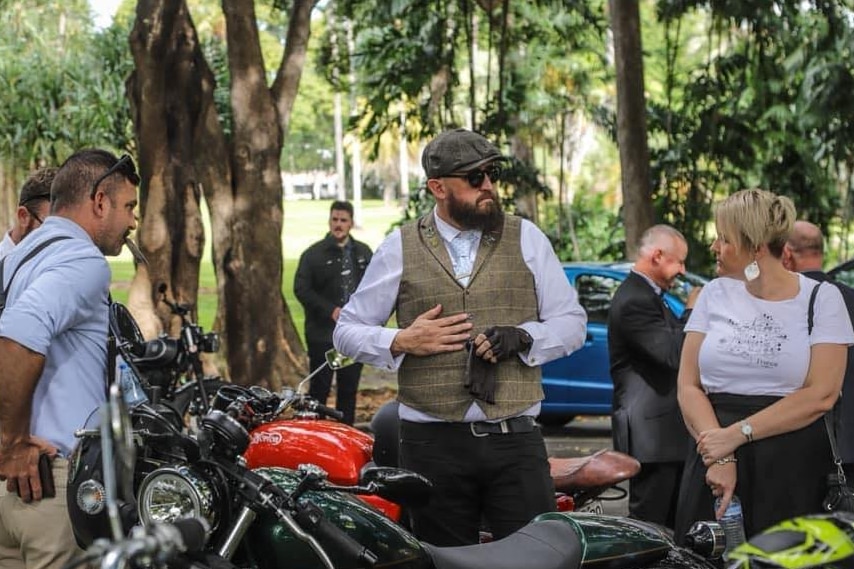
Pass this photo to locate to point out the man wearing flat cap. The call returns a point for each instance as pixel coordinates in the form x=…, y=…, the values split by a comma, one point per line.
x=33, y=207
x=481, y=303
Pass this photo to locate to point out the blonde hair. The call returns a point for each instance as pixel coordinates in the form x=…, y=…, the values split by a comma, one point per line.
x=752, y=218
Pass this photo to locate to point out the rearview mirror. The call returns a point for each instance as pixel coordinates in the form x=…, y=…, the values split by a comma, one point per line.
x=124, y=327
x=337, y=360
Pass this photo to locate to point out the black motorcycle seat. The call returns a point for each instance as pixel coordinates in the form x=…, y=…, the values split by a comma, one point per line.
x=545, y=544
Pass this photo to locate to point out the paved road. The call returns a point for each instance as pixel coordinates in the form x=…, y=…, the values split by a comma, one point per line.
x=581, y=437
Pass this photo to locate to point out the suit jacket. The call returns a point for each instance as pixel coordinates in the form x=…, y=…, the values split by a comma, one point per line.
x=645, y=344
x=845, y=408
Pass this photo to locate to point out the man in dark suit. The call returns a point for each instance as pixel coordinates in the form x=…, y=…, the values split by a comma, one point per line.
x=645, y=344
x=804, y=253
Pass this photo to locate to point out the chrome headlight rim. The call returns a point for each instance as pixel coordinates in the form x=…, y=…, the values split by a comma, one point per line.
x=202, y=495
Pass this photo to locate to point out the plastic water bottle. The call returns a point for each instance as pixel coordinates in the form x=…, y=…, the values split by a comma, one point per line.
x=733, y=523
x=131, y=388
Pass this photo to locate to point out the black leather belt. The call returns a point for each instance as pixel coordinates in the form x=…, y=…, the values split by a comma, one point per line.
x=524, y=424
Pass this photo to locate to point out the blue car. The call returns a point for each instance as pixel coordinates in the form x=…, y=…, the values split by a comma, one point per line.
x=580, y=384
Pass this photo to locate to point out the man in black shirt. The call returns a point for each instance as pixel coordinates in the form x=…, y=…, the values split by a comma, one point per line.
x=328, y=273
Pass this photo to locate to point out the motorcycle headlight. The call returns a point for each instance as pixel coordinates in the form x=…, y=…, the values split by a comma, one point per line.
x=172, y=493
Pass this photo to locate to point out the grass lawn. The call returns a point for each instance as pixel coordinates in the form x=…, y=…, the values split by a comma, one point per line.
x=305, y=223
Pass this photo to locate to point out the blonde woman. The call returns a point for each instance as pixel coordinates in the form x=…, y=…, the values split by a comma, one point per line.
x=753, y=384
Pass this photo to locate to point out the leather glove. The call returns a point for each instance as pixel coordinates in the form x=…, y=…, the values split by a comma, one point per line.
x=481, y=377
x=507, y=341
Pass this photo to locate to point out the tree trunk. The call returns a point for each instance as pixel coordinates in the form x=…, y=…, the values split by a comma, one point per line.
x=526, y=204
x=163, y=93
x=638, y=214
x=263, y=345
x=184, y=152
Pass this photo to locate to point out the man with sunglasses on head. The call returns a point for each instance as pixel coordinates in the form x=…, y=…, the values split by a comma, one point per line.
x=481, y=303
x=33, y=207
x=53, y=349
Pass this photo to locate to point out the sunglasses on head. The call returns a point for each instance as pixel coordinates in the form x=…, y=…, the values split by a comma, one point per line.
x=28, y=205
x=475, y=177
x=123, y=166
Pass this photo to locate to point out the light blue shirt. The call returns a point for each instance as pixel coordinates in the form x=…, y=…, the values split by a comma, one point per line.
x=57, y=307
x=361, y=333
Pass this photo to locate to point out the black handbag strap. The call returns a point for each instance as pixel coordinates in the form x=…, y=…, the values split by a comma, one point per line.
x=830, y=416
x=35, y=251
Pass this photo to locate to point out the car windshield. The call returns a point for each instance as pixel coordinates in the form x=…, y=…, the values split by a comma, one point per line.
x=683, y=285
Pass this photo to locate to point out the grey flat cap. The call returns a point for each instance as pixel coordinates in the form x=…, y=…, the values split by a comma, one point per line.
x=455, y=151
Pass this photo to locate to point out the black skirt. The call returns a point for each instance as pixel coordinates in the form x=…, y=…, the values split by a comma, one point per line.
x=778, y=477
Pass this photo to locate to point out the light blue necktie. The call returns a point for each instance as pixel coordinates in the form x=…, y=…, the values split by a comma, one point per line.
x=463, y=252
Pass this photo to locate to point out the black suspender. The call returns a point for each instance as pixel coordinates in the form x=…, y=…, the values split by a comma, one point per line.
x=35, y=251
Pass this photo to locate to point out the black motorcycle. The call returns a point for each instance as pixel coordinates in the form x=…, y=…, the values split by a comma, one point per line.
x=273, y=517
x=170, y=369
x=158, y=545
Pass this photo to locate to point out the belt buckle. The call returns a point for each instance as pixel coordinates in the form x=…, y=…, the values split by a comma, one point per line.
x=505, y=427
x=474, y=432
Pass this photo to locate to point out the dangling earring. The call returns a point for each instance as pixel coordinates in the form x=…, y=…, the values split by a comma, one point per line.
x=751, y=271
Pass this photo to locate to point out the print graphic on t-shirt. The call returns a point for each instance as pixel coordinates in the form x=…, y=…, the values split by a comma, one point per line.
x=760, y=341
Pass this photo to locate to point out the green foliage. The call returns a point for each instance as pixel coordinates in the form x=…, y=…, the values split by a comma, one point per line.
x=215, y=52
x=770, y=107
x=598, y=230
x=66, y=89
x=310, y=144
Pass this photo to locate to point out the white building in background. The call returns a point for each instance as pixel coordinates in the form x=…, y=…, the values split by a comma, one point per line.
x=314, y=185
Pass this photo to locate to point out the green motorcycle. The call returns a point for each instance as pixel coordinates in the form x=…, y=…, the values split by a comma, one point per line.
x=272, y=517
x=269, y=518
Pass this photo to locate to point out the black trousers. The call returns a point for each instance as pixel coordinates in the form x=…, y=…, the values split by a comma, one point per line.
x=778, y=478
x=502, y=479
x=346, y=381
x=653, y=492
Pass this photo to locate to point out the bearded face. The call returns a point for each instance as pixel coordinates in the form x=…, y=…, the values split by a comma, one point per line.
x=485, y=213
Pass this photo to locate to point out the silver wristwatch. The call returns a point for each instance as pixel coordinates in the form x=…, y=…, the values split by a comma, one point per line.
x=747, y=430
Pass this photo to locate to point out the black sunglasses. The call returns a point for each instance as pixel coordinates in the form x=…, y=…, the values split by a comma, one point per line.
x=33, y=199
x=34, y=215
x=475, y=177
x=123, y=166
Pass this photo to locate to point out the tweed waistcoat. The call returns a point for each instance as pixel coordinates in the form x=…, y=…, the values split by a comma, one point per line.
x=500, y=292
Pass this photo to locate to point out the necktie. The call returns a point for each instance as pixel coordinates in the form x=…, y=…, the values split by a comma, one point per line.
x=463, y=252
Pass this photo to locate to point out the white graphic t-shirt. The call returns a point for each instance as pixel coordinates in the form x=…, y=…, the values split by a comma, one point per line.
x=760, y=347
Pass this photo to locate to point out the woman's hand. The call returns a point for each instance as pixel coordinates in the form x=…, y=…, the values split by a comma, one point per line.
x=721, y=478
x=714, y=444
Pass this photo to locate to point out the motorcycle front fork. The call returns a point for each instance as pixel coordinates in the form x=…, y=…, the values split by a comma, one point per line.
x=235, y=536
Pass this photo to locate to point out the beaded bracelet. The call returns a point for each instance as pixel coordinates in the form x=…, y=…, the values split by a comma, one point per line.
x=726, y=460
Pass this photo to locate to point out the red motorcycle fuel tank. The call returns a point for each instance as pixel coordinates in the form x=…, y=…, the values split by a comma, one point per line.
x=339, y=449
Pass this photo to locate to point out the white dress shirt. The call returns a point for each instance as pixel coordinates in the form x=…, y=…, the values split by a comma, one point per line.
x=7, y=244
x=362, y=334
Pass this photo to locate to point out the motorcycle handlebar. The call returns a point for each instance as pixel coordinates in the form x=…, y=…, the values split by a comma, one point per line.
x=193, y=533
x=328, y=411
x=160, y=543
x=310, y=517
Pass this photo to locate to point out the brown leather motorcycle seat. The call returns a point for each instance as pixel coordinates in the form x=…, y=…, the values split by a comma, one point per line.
x=602, y=469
